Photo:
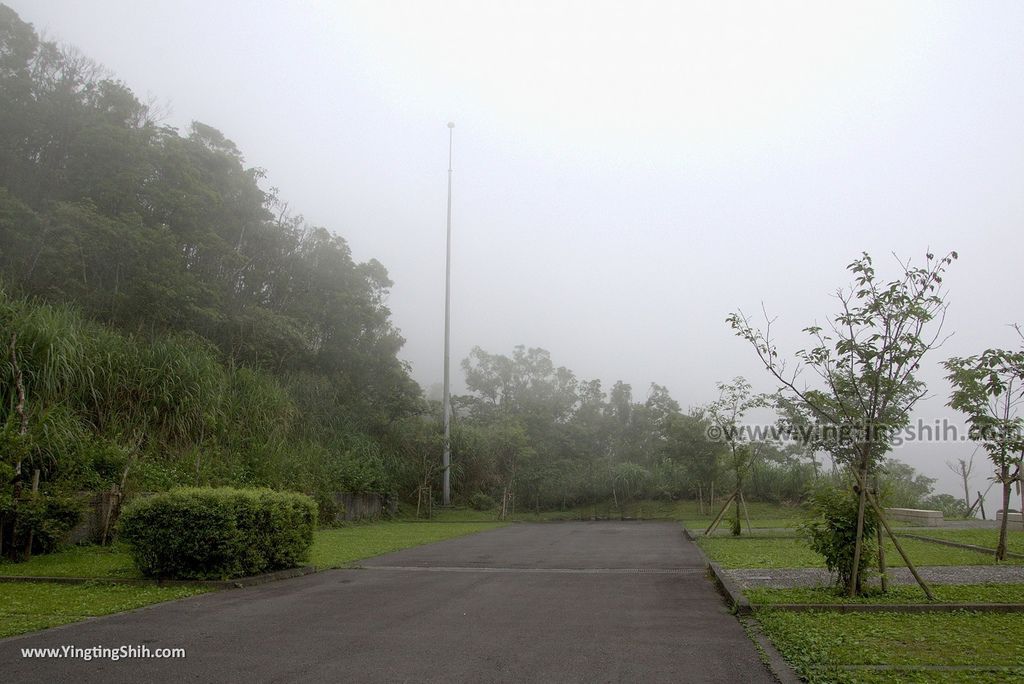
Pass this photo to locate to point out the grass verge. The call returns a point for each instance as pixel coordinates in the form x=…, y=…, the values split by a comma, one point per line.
x=332, y=548
x=766, y=552
x=894, y=647
x=111, y=562
x=762, y=515
x=27, y=607
x=944, y=593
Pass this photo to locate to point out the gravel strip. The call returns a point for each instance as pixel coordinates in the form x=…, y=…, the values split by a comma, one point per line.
x=788, y=578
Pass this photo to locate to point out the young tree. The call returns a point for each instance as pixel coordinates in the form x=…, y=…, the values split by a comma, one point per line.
x=866, y=358
x=726, y=415
x=989, y=389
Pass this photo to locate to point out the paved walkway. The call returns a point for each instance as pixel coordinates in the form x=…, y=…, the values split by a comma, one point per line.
x=556, y=602
x=785, y=578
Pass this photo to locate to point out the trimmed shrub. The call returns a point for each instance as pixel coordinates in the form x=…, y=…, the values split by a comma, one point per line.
x=833, y=533
x=218, y=533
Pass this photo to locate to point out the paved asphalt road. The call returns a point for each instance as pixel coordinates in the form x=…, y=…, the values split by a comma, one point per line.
x=554, y=602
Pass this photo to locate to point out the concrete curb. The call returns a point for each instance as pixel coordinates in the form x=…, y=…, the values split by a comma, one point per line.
x=738, y=603
x=892, y=607
x=781, y=669
x=728, y=588
x=238, y=583
x=959, y=545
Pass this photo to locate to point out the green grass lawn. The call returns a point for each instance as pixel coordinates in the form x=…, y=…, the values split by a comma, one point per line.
x=341, y=547
x=978, y=537
x=76, y=561
x=453, y=514
x=757, y=533
x=332, y=548
x=944, y=593
x=817, y=644
x=765, y=552
x=27, y=607
x=762, y=515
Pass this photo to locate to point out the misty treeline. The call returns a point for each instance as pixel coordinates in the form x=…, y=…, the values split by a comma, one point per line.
x=533, y=435
x=165, y=320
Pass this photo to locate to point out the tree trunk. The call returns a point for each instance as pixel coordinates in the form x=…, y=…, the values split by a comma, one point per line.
x=27, y=555
x=1020, y=486
x=855, y=580
x=19, y=408
x=737, y=526
x=1001, y=546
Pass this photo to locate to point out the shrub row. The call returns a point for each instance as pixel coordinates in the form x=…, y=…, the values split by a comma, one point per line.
x=218, y=533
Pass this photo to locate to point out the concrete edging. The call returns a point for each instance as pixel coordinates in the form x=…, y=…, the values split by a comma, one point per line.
x=738, y=603
x=237, y=583
x=729, y=589
x=958, y=545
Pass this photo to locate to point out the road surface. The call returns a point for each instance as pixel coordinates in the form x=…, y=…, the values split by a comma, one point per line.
x=550, y=602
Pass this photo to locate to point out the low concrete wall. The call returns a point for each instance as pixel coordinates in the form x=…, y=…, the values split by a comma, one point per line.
x=100, y=511
x=1014, y=521
x=916, y=516
x=363, y=506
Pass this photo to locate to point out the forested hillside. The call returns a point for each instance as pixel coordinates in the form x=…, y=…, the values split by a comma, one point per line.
x=170, y=320
x=151, y=229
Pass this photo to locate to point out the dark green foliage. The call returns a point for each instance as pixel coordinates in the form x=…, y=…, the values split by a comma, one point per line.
x=174, y=324
x=44, y=519
x=951, y=506
x=902, y=486
x=833, y=530
x=218, y=533
x=481, y=502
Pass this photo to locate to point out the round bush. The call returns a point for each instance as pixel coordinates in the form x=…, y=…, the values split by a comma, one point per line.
x=218, y=533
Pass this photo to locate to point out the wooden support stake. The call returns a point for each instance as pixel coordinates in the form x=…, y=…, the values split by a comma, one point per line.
x=899, y=547
x=882, y=565
x=896, y=542
x=725, y=507
x=746, y=514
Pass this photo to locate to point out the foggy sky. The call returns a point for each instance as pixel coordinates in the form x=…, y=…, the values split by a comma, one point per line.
x=626, y=174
